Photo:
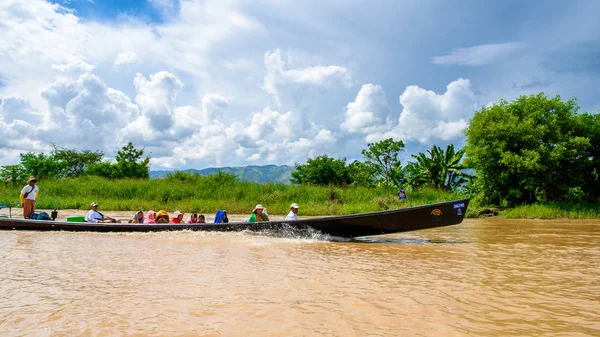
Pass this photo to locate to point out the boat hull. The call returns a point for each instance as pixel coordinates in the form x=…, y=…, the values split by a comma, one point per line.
x=357, y=225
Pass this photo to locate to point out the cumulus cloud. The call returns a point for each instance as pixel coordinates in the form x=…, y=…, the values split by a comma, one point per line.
x=126, y=57
x=369, y=112
x=277, y=75
x=479, y=55
x=14, y=108
x=427, y=116
x=157, y=97
x=86, y=113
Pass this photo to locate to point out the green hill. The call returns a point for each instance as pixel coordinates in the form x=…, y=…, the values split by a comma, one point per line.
x=259, y=174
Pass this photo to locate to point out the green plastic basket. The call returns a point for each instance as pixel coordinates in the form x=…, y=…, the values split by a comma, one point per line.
x=76, y=219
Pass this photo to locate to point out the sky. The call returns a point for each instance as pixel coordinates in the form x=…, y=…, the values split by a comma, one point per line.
x=213, y=83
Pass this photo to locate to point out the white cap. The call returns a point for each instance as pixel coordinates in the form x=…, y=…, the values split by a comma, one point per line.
x=294, y=205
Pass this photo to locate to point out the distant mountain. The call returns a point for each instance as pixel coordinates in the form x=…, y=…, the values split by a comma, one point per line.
x=259, y=174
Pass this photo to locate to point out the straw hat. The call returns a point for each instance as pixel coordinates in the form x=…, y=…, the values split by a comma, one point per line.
x=93, y=204
x=259, y=206
x=31, y=178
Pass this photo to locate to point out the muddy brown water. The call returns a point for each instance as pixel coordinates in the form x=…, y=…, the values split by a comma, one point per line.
x=488, y=277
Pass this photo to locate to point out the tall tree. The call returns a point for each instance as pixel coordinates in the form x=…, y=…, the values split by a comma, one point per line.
x=12, y=174
x=532, y=149
x=73, y=162
x=130, y=163
x=439, y=169
x=322, y=170
x=383, y=156
x=40, y=165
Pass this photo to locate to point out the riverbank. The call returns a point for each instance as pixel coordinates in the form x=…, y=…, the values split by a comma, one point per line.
x=538, y=211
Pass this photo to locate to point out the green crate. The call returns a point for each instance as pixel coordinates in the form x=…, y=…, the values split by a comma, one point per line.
x=76, y=219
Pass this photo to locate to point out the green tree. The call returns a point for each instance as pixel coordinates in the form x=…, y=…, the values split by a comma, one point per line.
x=41, y=165
x=361, y=174
x=438, y=168
x=590, y=128
x=322, y=170
x=532, y=149
x=72, y=162
x=12, y=174
x=383, y=156
x=129, y=164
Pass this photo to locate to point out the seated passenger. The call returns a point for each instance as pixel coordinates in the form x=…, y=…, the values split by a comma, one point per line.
x=194, y=218
x=258, y=215
x=221, y=216
x=95, y=216
x=150, y=217
x=293, y=211
x=137, y=218
x=201, y=219
x=161, y=216
x=177, y=217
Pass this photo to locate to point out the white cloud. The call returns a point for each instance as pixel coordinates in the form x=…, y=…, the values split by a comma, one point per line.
x=157, y=97
x=126, y=57
x=277, y=75
x=479, y=55
x=427, y=117
x=14, y=108
x=369, y=111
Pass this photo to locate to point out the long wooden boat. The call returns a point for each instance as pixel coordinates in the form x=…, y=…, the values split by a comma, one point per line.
x=347, y=226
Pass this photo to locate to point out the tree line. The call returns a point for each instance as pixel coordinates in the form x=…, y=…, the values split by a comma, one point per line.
x=382, y=167
x=71, y=163
x=532, y=149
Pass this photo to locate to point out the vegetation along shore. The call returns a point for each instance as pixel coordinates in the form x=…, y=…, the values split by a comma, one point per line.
x=534, y=157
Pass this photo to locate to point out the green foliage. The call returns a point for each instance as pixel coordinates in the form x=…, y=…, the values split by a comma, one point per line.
x=41, y=166
x=13, y=174
x=383, y=158
x=590, y=128
x=362, y=174
x=72, y=162
x=532, y=149
x=322, y=170
x=440, y=170
x=129, y=165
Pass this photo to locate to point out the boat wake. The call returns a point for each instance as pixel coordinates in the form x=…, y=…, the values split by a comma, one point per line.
x=303, y=233
x=403, y=241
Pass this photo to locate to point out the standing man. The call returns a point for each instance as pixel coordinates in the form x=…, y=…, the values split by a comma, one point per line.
x=28, y=195
x=293, y=211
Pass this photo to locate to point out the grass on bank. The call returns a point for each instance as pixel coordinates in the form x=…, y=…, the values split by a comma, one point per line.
x=207, y=194
x=554, y=211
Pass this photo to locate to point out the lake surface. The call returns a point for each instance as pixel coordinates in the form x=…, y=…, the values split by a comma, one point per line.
x=482, y=278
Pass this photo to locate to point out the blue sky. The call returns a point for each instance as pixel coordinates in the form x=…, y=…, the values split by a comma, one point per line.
x=203, y=83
